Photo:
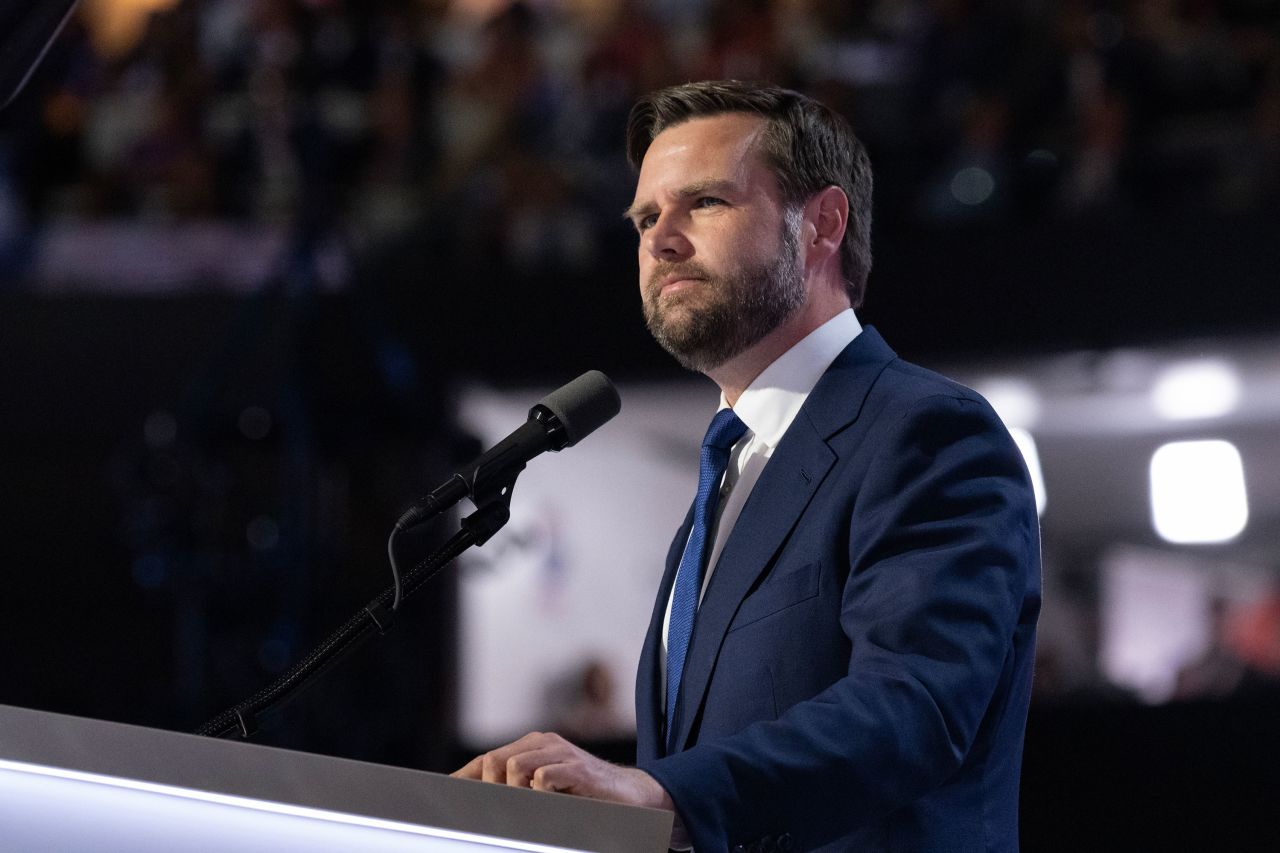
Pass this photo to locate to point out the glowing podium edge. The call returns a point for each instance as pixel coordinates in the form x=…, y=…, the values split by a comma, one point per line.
x=256, y=779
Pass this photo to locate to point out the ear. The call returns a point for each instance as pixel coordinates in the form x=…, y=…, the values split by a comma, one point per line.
x=826, y=215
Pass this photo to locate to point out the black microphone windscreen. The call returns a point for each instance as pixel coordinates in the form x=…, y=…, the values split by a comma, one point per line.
x=583, y=405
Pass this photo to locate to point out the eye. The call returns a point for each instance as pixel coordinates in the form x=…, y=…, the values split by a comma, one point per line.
x=709, y=201
x=646, y=222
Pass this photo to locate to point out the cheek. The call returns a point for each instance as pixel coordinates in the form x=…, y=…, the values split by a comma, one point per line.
x=761, y=241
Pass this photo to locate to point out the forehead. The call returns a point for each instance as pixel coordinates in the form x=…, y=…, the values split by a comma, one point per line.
x=721, y=147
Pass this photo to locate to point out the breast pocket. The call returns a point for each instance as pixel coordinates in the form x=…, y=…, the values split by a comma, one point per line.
x=777, y=593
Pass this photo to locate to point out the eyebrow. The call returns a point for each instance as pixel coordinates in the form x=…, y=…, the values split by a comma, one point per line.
x=696, y=188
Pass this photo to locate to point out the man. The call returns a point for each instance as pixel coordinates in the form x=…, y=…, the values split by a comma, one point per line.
x=865, y=574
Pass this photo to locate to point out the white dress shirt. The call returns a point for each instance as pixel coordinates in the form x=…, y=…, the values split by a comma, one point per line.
x=768, y=406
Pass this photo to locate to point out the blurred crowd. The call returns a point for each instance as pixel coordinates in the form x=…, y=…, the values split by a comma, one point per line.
x=241, y=126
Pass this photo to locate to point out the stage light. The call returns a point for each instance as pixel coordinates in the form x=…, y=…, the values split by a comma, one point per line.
x=972, y=185
x=1207, y=388
x=1015, y=400
x=1197, y=492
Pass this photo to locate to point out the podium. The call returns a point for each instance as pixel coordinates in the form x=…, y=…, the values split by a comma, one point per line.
x=74, y=784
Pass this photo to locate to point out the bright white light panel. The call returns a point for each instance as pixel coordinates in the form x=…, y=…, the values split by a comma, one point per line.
x=1198, y=492
x=1209, y=388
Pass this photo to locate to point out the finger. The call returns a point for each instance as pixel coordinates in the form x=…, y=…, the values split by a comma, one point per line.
x=566, y=777
x=471, y=770
x=493, y=764
x=522, y=766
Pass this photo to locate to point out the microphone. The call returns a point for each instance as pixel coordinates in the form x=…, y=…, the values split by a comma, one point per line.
x=27, y=28
x=559, y=420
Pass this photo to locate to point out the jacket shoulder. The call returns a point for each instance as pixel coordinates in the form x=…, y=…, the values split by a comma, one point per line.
x=908, y=384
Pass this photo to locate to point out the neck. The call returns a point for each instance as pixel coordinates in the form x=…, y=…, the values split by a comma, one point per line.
x=736, y=375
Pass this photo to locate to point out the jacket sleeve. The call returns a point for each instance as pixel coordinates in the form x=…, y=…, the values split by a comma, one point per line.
x=943, y=549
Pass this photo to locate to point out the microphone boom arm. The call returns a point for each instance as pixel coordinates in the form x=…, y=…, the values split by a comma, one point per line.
x=493, y=475
x=240, y=720
x=559, y=420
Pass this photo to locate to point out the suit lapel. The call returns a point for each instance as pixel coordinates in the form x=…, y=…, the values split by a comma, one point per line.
x=784, y=489
x=786, y=485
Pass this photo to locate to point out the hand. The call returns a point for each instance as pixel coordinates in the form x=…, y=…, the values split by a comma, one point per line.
x=548, y=762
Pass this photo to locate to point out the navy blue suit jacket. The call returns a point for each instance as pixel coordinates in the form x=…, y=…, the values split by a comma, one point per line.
x=860, y=667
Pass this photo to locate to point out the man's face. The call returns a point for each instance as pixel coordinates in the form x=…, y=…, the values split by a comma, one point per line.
x=719, y=265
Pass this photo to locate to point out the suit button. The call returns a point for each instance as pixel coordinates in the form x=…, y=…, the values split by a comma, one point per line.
x=739, y=848
x=785, y=842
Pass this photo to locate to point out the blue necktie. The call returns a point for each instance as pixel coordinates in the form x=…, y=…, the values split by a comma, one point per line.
x=723, y=433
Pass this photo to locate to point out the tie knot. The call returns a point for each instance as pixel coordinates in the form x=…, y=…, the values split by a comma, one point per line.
x=726, y=428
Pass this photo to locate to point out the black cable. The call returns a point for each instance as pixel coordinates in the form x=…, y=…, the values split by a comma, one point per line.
x=395, y=567
x=429, y=507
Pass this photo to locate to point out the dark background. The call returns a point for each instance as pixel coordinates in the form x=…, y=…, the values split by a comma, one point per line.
x=199, y=473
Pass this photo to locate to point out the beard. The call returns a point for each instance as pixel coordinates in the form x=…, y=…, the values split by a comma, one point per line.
x=726, y=314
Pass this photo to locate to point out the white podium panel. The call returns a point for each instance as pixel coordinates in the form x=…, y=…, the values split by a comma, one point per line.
x=71, y=784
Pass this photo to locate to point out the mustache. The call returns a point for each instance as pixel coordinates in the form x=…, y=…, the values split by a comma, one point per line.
x=683, y=269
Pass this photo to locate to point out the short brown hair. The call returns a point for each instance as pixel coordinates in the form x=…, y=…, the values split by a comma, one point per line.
x=808, y=146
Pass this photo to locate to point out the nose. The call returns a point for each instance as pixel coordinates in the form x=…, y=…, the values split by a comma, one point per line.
x=665, y=240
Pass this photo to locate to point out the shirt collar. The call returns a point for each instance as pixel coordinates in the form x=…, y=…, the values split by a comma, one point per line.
x=772, y=401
